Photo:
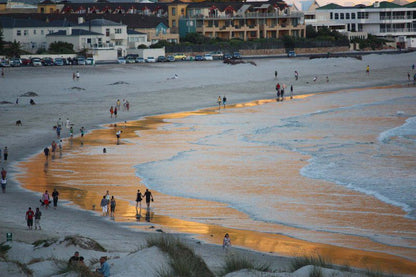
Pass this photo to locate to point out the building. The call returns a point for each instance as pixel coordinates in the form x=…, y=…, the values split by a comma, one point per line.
x=382, y=19
x=238, y=20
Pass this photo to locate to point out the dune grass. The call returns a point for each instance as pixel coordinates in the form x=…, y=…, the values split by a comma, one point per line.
x=235, y=262
x=183, y=261
x=3, y=250
x=316, y=261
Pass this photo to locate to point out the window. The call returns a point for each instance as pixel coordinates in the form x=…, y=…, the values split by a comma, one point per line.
x=360, y=27
x=173, y=23
x=336, y=16
x=173, y=11
x=107, y=32
x=353, y=16
x=331, y=16
x=25, y=32
x=341, y=15
x=347, y=16
x=89, y=40
x=41, y=32
x=18, y=33
x=34, y=32
x=117, y=30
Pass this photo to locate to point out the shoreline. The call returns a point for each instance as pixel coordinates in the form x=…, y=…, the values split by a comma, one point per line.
x=18, y=199
x=280, y=245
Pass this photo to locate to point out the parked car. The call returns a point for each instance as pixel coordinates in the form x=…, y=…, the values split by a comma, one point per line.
x=208, y=57
x=90, y=61
x=36, y=62
x=227, y=56
x=170, y=58
x=59, y=61
x=15, y=62
x=161, y=59
x=291, y=54
x=25, y=62
x=140, y=60
x=80, y=60
x=180, y=56
x=236, y=55
x=4, y=63
x=150, y=60
x=217, y=55
x=121, y=60
x=199, y=58
x=47, y=61
x=130, y=59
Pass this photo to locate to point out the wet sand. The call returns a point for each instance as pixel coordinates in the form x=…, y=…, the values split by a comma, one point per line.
x=82, y=173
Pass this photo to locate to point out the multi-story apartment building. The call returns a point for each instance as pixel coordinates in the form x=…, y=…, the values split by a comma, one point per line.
x=383, y=19
x=242, y=20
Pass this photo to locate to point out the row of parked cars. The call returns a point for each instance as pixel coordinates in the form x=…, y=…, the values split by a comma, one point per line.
x=218, y=55
x=15, y=62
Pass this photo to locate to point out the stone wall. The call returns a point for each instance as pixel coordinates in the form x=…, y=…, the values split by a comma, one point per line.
x=282, y=51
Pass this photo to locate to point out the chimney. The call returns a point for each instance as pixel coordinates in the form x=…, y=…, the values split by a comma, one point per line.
x=80, y=20
x=376, y=4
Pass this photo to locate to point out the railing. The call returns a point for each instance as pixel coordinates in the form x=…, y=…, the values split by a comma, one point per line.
x=397, y=17
x=248, y=15
x=99, y=45
x=397, y=30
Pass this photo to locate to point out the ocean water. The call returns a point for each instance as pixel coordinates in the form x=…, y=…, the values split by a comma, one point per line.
x=335, y=163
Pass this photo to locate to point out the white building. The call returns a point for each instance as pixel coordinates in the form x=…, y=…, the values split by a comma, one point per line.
x=382, y=19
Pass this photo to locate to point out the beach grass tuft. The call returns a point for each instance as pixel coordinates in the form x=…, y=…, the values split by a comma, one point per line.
x=44, y=242
x=3, y=250
x=84, y=243
x=300, y=262
x=316, y=272
x=183, y=261
x=79, y=269
x=237, y=262
x=26, y=270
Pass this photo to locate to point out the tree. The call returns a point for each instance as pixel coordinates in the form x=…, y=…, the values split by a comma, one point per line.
x=1, y=40
x=14, y=50
x=60, y=47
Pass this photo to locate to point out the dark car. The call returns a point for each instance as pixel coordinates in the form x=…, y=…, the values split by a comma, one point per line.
x=236, y=55
x=199, y=58
x=227, y=56
x=47, y=61
x=170, y=58
x=15, y=62
x=161, y=59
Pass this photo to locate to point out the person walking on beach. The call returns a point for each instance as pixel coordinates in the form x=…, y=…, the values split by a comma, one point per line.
x=29, y=218
x=291, y=91
x=58, y=131
x=3, y=184
x=77, y=75
x=226, y=242
x=60, y=145
x=53, y=147
x=46, y=152
x=5, y=153
x=278, y=92
x=112, y=206
x=38, y=214
x=275, y=74
x=45, y=199
x=68, y=123
x=219, y=102
x=55, y=197
x=111, y=111
x=224, y=101
x=118, y=104
x=367, y=69
x=104, y=205
x=82, y=131
x=115, y=112
x=3, y=173
x=149, y=197
x=73, y=76
x=139, y=197
x=296, y=75
x=118, y=136
x=71, y=132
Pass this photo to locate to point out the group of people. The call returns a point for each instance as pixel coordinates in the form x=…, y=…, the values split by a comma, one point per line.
x=280, y=92
x=147, y=196
x=30, y=215
x=116, y=108
x=106, y=201
x=46, y=199
x=222, y=101
x=78, y=261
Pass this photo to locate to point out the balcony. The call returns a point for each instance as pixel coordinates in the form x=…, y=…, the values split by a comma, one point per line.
x=99, y=46
x=249, y=15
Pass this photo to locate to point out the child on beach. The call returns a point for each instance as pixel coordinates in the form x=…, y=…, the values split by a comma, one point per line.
x=226, y=243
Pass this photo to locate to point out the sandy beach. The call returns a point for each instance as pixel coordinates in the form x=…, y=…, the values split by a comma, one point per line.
x=156, y=101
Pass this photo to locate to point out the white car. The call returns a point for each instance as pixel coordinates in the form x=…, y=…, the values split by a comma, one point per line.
x=121, y=60
x=208, y=57
x=150, y=60
x=90, y=61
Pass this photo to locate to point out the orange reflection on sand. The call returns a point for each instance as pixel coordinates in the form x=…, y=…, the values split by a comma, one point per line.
x=83, y=173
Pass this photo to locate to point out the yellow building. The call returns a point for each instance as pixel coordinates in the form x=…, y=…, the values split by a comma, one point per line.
x=49, y=6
